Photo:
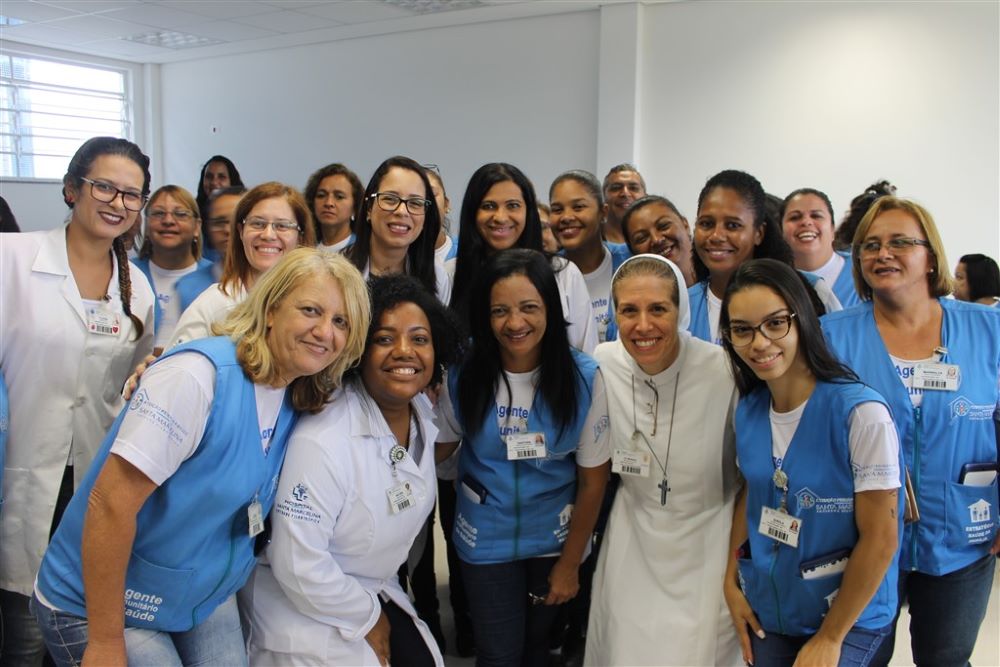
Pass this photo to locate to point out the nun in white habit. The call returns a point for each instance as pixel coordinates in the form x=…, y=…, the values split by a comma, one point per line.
x=657, y=596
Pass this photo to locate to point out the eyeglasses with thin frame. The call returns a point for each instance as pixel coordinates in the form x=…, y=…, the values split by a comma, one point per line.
x=178, y=214
x=774, y=327
x=898, y=245
x=279, y=226
x=389, y=202
x=106, y=193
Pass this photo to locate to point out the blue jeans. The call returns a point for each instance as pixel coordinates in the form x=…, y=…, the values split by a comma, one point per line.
x=510, y=629
x=857, y=650
x=218, y=640
x=21, y=643
x=945, y=614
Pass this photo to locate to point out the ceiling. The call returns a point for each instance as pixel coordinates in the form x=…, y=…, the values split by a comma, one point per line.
x=163, y=31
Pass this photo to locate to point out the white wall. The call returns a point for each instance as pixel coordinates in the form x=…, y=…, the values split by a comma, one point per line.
x=832, y=96
x=522, y=91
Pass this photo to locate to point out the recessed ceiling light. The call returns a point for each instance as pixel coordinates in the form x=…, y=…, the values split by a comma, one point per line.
x=431, y=6
x=169, y=39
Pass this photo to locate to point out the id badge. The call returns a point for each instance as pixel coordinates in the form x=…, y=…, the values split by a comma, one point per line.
x=102, y=321
x=626, y=462
x=937, y=376
x=255, y=515
x=780, y=526
x=525, y=446
x=400, y=497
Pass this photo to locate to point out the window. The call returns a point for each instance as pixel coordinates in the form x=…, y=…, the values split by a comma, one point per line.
x=48, y=108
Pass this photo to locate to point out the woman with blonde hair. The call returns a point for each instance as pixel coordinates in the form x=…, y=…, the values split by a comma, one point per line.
x=160, y=535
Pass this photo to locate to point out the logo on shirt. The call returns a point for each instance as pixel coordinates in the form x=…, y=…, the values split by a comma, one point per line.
x=809, y=500
x=139, y=399
x=963, y=408
x=300, y=492
x=979, y=511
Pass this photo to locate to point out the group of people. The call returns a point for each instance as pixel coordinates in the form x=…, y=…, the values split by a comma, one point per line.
x=224, y=450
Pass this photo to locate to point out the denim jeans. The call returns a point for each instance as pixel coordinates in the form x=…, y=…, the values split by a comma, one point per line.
x=510, y=630
x=218, y=640
x=857, y=650
x=21, y=643
x=945, y=614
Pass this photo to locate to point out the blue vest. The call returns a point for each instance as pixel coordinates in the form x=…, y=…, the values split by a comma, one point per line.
x=192, y=548
x=821, y=493
x=843, y=286
x=619, y=253
x=527, y=503
x=194, y=284
x=4, y=427
x=950, y=429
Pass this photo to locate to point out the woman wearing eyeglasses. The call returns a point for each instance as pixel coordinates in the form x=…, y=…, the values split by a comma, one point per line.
x=171, y=249
x=270, y=220
x=75, y=318
x=811, y=578
x=937, y=362
x=398, y=226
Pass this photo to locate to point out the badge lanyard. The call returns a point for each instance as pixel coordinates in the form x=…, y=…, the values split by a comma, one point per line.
x=400, y=494
x=636, y=433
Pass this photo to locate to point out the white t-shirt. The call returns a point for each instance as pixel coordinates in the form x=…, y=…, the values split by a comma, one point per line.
x=599, y=287
x=714, y=311
x=512, y=413
x=167, y=416
x=336, y=247
x=830, y=271
x=904, y=369
x=211, y=306
x=164, y=281
x=441, y=254
x=873, y=443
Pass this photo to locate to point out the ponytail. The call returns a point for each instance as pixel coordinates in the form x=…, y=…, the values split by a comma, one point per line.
x=125, y=284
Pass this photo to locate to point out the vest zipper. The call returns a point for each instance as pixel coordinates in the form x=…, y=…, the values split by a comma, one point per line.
x=517, y=509
x=917, y=414
x=774, y=588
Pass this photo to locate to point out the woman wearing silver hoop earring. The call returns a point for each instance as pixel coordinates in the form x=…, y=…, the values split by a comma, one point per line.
x=656, y=599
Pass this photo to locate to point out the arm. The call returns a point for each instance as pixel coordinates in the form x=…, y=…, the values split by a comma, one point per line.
x=739, y=608
x=108, y=533
x=564, y=579
x=875, y=513
x=443, y=450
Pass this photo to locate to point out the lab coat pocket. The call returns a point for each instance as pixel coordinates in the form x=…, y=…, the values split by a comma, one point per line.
x=970, y=515
x=158, y=597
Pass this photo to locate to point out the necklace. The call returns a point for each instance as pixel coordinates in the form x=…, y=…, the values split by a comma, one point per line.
x=636, y=433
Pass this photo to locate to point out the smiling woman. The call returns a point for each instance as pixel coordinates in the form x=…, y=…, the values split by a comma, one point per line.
x=356, y=489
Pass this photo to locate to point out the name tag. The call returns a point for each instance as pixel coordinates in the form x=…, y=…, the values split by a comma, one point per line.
x=400, y=497
x=780, y=526
x=626, y=462
x=255, y=515
x=525, y=446
x=103, y=322
x=936, y=376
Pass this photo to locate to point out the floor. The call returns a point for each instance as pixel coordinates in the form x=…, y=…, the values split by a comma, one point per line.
x=987, y=653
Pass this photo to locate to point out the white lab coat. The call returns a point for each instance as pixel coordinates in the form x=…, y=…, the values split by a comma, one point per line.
x=64, y=386
x=336, y=546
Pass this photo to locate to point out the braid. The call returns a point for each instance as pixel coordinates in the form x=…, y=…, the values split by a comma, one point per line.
x=125, y=283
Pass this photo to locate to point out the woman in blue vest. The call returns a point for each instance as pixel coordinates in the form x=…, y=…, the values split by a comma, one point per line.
x=160, y=534
x=171, y=250
x=813, y=548
x=936, y=361
x=534, y=461
x=807, y=223
x=733, y=226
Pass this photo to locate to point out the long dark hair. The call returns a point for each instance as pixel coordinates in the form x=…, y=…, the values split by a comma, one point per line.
x=482, y=372
x=752, y=193
x=843, y=237
x=420, y=253
x=79, y=167
x=203, y=197
x=981, y=275
x=473, y=251
x=793, y=288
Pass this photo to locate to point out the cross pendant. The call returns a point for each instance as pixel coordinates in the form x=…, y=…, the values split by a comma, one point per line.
x=664, y=488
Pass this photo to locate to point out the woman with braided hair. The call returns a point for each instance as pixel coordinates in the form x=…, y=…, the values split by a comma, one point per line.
x=75, y=318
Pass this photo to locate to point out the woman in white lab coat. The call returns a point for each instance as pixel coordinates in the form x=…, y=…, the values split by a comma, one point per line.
x=357, y=486
x=75, y=318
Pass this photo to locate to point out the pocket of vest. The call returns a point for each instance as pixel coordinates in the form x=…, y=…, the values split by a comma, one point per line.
x=157, y=597
x=970, y=515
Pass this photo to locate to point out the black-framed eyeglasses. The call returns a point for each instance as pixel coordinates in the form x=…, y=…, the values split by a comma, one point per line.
x=260, y=224
x=900, y=244
x=106, y=193
x=774, y=327
x=178, y=214
x=389, y=202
